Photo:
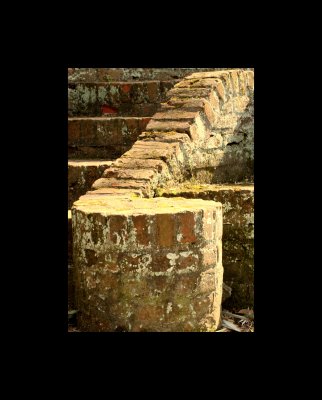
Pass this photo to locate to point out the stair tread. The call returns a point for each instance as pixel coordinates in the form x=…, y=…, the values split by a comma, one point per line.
x=84, y=162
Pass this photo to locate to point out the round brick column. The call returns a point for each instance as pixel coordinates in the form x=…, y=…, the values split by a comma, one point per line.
x=147, y=264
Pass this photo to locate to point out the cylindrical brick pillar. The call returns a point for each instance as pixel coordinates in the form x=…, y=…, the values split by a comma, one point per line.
x=147, y=264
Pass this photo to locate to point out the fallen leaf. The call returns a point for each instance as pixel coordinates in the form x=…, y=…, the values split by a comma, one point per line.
x=230, y=325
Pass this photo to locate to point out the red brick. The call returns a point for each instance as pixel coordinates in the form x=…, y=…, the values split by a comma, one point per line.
x=143, y=123
x=147, y=313
x=160, y=261
x=126, y=88
x=118, y=226
x=95, y=152
x=165, y=229
x=106, y=109
x=73, y=131
x=187, y=261
x=129, y=262
x=110, y=280
x=141, y=225
x=186, y=227
x=186, y=283
x=153, y=91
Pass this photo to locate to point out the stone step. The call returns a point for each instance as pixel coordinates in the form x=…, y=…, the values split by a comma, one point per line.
x=81, y=175
x=130, y=74
x=117, y=98
x=103, y=137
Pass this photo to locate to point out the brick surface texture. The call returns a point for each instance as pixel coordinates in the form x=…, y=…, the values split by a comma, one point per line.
x=144, y=262
x=140, y=264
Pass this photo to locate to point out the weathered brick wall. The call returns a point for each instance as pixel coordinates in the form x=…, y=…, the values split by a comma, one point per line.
x=147, y=264
x=81, y=175
x=116, y=98
x=131, y=74
x=103, y=137
x=199, y=133
x=204, y=131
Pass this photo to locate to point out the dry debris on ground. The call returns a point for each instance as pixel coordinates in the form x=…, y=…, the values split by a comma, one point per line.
x=237, y=323
x=230, y=322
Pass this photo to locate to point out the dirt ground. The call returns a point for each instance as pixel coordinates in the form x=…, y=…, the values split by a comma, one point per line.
x=242, y=321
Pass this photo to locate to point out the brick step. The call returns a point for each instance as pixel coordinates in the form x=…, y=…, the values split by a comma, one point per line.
x=117, y=98
x=103, y=137
x=81, y=175
x=130, y=74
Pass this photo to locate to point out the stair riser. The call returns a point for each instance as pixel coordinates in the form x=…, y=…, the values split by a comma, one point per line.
x=99, y=152
x=103, y=138
x=129, y=74
x=117, y=98
x=81, y=178
x=103, y=132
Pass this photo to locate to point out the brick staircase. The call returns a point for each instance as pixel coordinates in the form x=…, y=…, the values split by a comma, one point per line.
x=147, y=133
x=108, y=109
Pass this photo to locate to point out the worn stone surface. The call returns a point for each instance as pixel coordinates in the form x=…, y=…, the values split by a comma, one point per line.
x=138, y=163
x=139, y=264
x=238, y=234
x=145, y=186
x=81, y=175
